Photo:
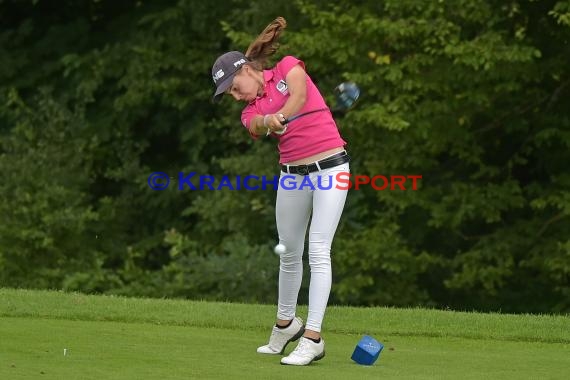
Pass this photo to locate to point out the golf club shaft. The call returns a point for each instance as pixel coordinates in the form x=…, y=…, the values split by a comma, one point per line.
x=295, y=117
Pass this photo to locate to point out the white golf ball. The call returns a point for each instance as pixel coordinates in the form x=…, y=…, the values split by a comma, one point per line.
x=280, y=249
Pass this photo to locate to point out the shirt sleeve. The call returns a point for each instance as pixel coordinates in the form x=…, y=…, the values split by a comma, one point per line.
x=287, y=63
x=248, y=113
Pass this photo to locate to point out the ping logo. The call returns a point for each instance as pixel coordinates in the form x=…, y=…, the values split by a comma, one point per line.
x=239, y=62
x=282, y=87
x=218, y=75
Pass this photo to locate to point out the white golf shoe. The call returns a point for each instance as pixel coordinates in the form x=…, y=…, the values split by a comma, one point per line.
x=306, y=352
x=281, y=337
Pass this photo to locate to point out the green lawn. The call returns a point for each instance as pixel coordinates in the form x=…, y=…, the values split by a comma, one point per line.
x=126, y=338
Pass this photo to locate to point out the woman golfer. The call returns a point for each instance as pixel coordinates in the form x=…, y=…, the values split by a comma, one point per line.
x=308, y=146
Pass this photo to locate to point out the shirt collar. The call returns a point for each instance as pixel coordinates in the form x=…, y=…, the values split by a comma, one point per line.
x=267, y=75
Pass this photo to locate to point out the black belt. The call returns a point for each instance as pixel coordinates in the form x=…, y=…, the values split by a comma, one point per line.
x=329, y=162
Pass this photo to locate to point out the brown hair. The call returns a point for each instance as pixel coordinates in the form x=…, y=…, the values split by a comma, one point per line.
x=265, y=45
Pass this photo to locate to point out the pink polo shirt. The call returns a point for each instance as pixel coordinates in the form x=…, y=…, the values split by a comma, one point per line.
x=306, y=136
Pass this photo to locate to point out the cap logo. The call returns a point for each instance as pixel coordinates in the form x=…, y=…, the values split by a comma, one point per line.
x=239, y=62
x=218, y=75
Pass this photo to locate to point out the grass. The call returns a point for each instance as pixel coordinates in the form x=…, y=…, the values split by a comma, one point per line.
x=126, y=338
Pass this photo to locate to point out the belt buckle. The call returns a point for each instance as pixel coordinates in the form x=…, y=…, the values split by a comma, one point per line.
x=303, y=169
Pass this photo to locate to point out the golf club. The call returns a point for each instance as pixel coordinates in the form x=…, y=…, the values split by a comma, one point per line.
x=346, y=95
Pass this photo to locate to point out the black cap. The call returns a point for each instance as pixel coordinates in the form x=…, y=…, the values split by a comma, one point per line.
x=224, y=70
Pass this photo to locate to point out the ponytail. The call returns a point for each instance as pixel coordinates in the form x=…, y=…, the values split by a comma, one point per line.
x=265, y=45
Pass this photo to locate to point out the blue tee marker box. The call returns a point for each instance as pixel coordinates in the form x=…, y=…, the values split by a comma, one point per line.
x=367, y=350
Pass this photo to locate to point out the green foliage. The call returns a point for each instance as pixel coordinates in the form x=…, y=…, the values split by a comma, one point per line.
x=471, y=95
x=45, y=207
x=465, y=94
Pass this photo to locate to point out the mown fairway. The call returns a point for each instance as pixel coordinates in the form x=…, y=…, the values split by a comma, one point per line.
x=124, y=338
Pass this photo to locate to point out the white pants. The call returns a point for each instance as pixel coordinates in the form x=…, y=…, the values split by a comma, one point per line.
x=293, y=210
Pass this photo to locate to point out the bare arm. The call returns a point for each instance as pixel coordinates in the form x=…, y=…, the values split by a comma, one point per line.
x=297, y=86
x=256, y=126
